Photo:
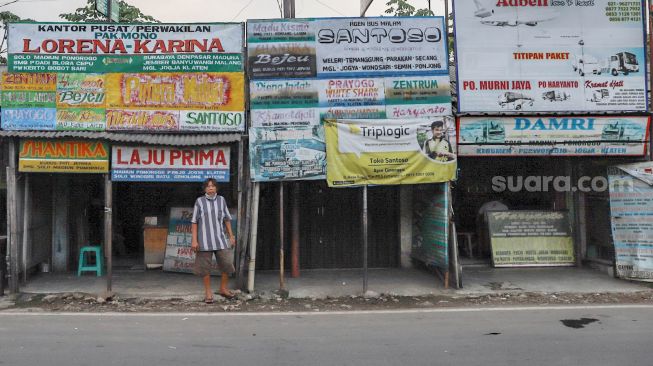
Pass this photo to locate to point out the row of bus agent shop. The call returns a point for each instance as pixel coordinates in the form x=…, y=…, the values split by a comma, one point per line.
x=55, y=215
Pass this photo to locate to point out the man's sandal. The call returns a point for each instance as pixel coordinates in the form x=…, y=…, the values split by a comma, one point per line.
x=208, y=300
x=228, y=295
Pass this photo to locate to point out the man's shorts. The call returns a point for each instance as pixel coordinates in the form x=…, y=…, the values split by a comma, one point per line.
x=203, y=261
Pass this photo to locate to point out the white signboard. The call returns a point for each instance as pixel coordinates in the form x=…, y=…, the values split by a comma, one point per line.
x=550, y=55
x=553, y=135
x=631, y=213
x=169, y=164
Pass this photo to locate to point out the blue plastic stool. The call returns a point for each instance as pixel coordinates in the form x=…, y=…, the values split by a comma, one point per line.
x=83, y=264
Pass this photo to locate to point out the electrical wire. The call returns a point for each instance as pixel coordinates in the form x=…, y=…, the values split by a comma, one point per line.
x=11, y=2
x=327, y=6
x=280, y=8
x=241, y=10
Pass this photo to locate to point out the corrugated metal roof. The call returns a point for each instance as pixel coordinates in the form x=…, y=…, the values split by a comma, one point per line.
x=141, y=138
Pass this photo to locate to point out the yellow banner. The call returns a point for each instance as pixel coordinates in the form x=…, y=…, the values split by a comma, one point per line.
x=176, y=91
x=389, y=152
x=63, y=156
x=63, y=166
x=29, y=82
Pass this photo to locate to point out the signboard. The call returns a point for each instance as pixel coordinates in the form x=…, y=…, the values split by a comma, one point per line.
x=550, y=55
x=553, y=135
x=276, y=103
x=206, y=102
x=48, y=101
x=115, y=11
x=179, y=257
x=169, y=164
x=116, y=48
x=304, y=71
x=285, y=153
x=102, y=6
x=389, y=152
x=176, y=102
x=531, y=238
x=63, y=156
x=346, y=47
x=631, y=213
x=430, y=243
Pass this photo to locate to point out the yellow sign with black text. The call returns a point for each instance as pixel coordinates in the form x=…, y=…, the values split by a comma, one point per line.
x=390, y=152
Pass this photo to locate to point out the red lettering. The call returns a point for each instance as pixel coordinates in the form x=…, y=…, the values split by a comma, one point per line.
x=217, y=45
x=66, y=45
x=177, y=46
x=141, y=46
x=84, y=150
x=136, y=157
x=120, y=161
x=50, y=46
x=220, y=158
x=174, y=155
x=187, y=158
x=26, y=47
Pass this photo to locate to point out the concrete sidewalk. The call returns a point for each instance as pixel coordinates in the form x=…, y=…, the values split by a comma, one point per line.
x=336, y=283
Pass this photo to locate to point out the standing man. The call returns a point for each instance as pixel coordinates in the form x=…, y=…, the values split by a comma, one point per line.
x=437, y=147
x=209, y=239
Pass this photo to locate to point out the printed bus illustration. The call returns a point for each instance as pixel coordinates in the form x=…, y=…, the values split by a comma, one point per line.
x=622, y=62
x=555, y=96
x=486, y=131
x=514, y=100
x=622, y=130
x=599, y=94
x=585, y=64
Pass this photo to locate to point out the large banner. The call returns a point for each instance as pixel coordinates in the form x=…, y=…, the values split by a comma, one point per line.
x=631, y=213
x=389, y=152
x=304, y=71
x=94, y=48
x=63, y=156
x=531, y=238
x=176, y=102
x=346, y=47
x=553, y=135
x=550, y=55
x=169, y=164
x=47, y=101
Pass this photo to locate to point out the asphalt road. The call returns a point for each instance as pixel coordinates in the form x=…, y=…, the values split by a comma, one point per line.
x=592, y=336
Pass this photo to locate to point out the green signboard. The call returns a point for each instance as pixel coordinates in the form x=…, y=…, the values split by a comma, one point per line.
x=531, y=238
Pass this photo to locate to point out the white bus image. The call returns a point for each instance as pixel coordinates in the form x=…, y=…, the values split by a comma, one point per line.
x=622, y=62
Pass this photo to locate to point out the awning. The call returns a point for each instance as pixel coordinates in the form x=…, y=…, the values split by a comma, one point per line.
x=140, y=138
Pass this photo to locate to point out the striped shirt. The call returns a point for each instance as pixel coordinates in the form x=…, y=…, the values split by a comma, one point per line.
x=209, y=214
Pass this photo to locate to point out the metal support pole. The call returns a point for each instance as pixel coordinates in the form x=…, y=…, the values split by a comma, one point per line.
x=12, y=212
x=109, y=11
x=282, y=284
x=251, y=268
x=288, y=8
x=294, y=234
x=27, y=214
x=365, y=238
x=108, y=215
